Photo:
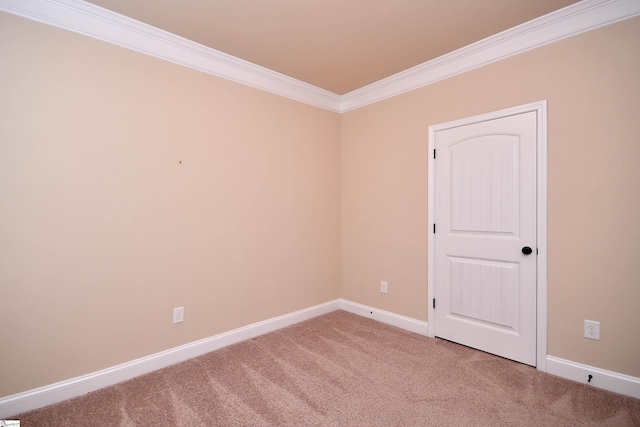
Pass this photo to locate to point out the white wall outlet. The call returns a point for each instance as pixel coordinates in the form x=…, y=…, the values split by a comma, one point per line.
x=383, y=287
x=592, y=329
x=178, y=315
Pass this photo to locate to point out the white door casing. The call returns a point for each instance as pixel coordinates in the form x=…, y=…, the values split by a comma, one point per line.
x=487, y=199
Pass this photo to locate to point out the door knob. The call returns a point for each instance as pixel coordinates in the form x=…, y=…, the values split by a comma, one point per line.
x=527, y=250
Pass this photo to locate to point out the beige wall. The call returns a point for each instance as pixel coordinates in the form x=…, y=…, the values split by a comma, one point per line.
x=276, y=205
x=103, y=231
x=592, y=84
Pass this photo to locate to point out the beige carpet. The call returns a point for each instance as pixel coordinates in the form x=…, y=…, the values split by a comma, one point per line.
x=344, y=370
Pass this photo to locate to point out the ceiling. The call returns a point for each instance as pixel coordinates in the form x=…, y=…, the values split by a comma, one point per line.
x=337, y=45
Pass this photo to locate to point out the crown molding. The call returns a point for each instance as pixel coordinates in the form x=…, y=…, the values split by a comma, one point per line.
x=93, y=21
x=572, y=20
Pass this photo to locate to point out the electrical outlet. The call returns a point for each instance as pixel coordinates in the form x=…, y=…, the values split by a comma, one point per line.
x=592, y=329
x=383, y=287
x=178, y=315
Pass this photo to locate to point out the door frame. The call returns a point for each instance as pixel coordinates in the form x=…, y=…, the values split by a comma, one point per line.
x=540, y=108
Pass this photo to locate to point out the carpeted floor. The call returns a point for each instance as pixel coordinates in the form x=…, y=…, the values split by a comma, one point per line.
x=344, y=370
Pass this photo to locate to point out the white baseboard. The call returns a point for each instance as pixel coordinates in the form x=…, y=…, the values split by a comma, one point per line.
x=54, y=393
x=402, y=322
x=607, y=380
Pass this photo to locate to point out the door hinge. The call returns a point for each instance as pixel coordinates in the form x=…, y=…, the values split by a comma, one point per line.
x=434, y=153
x=434, y=229
x=434, y=303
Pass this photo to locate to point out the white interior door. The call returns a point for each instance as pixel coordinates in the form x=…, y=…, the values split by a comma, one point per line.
x=485, y=219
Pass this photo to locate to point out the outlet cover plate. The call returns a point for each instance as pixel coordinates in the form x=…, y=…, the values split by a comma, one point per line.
x=178, y=315
x=383, y=287
x=592, y=329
